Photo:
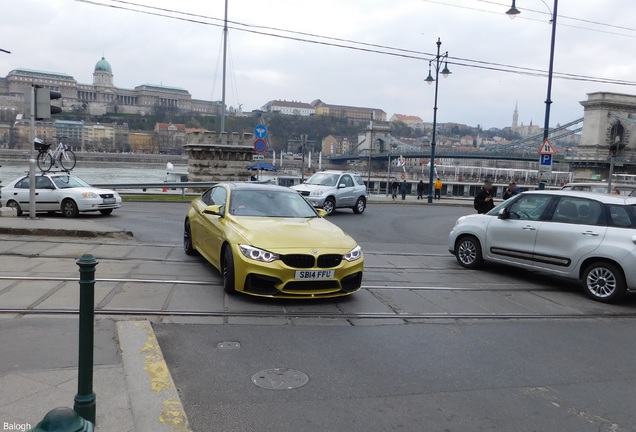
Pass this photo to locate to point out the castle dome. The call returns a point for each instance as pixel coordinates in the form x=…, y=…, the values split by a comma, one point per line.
x=103, y=65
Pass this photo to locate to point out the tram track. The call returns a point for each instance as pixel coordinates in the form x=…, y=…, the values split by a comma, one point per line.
x=323, y=315
x=383, y=294
x=489, y=287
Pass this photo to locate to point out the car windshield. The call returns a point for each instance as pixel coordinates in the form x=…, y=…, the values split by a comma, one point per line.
x=323, y=179
x=267, y=203
x=66, y=182
x=495, y=210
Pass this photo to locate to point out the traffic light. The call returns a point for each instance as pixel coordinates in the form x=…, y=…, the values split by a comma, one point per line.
x=43, y=107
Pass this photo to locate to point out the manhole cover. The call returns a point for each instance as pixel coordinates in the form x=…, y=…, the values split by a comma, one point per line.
x=228, y=345
x=280, y=379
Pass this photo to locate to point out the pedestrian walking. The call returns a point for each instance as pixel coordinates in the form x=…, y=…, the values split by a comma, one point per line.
x=438, y=188
x=420, y=190
x=394, y=188
x=403, y=188
x=484, y=200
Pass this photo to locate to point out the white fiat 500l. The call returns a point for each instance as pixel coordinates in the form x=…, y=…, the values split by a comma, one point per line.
x=59, y=192
x=578, y=235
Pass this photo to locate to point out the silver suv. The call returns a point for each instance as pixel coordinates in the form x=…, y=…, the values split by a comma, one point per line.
x=335, y=189
x=583, y=236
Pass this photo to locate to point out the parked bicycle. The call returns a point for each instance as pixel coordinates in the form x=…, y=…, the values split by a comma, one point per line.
x=47, y=158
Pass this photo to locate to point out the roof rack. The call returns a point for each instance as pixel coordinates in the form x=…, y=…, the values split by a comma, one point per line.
x=58, y=171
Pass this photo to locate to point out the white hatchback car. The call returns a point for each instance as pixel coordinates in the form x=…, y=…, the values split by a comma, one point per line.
x=583, y=236
x=59, y=192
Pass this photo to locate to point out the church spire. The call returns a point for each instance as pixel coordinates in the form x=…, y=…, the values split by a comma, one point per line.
x=515, y=117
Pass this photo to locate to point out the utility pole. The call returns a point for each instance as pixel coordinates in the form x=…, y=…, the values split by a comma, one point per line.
x=370, y=151
x=32, y=155
x=303, y=140
x=224, y=70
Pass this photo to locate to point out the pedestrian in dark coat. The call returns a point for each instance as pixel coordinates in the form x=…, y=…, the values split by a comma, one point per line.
x=485, y=198
x=403, y=188
x=512, y=190
x=394, y=187
x=420, y=189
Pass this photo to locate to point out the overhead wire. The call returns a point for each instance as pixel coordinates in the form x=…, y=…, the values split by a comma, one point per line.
x=561, y=24
x=559, y=16
x=360, y=46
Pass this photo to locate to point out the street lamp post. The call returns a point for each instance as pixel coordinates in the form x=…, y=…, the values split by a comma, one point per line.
x=513, y=12
x=429, y=79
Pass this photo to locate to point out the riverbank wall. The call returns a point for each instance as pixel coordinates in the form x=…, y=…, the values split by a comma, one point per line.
x=21, y=154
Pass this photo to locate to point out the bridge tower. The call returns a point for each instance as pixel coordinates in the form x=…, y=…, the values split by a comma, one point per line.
x=609, y=127
x=375, y=138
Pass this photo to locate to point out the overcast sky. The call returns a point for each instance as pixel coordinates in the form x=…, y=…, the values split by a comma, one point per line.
x=594, y=39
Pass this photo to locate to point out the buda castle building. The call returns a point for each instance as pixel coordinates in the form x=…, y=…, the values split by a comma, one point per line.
x=102, y=96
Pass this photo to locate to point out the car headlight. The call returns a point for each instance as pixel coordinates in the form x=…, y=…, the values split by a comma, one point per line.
x=90, y=195
x=353, y=254
x=316, y=193
x=258, y=254
x=459, y=220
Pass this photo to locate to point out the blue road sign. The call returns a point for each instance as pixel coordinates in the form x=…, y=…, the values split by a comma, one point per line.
x=545, y=160
x=260, y=131
x=260, y=145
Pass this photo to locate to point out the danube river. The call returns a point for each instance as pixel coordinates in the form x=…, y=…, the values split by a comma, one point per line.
x=97, y=172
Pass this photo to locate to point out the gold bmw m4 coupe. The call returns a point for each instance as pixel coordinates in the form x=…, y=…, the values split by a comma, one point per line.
x=268, y=241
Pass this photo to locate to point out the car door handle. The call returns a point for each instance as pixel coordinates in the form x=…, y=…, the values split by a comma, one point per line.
x=528, y=227
x=590, y=233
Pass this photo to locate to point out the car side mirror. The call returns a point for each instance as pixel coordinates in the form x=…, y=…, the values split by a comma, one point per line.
x=341, y=186
x=214, y=210
x=504, y=213
x=321, y=212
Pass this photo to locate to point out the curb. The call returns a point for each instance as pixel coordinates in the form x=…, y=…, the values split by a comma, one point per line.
x=154, y=400
x=124, y=234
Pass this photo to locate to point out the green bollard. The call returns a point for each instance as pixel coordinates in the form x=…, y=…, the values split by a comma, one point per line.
x=85, y=398
x=63, y=419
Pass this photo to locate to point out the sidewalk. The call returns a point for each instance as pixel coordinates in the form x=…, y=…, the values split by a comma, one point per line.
x=38, y=368
x=412, y=199
x=133, y=386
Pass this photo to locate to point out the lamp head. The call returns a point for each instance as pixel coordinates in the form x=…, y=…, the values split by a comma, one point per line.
x=445, y=71
x=429, y=79
x=513, y=11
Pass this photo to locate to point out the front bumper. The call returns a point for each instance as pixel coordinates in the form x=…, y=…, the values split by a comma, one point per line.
x=96, y=204
x=276, y=279
x=316, y=201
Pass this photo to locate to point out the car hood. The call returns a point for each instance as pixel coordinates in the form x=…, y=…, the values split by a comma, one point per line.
x=276, y=234
x=88, y=189
x=311, y=187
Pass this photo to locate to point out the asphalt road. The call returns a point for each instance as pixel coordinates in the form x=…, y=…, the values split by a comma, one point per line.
x=566, y=376
x=441, y=353
x=386, y=226
x=452, y=374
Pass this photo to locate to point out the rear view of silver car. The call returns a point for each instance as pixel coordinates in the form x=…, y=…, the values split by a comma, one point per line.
x=578, y=235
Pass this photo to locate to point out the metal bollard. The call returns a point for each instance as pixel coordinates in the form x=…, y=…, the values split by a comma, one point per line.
x=63, y=419
x=85, y=404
